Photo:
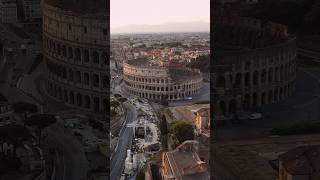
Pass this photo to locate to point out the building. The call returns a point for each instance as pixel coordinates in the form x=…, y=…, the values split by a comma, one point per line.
x=31, y=11
x=184, y=163
x=146, y=80
x=202, y=121
x=76, y=51
x=8, y=11
x=301, y=163
x=254, y=62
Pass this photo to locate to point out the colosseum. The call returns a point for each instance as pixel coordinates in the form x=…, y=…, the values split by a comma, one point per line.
x=76, y=50
x=254, y=62
x=146, y=80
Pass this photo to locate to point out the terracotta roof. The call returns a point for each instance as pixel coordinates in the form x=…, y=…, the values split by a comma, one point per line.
x=186, y=164
x=304, y=160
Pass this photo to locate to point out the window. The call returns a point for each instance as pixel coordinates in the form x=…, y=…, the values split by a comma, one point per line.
x=85, y=29
x=105, y=31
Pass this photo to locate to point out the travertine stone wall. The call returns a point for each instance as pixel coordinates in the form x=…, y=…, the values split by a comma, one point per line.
x=76, y=51
x=156, y=83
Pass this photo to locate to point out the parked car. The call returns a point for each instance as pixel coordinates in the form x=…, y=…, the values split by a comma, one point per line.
x=255, y=116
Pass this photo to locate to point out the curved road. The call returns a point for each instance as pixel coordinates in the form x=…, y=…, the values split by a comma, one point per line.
x=124, y=143
x=73, y=160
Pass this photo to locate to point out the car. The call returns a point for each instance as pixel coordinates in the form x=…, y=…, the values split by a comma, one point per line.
x=80, y=127
x=255, y=116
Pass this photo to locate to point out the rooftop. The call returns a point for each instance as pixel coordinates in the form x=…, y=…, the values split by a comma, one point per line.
x=304, y=160
x=185, y=163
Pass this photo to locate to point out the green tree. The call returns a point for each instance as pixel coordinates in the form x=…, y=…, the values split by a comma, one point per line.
x=41, y=121
x=164, y=141
x=164, y=125
x=122, y=99
x=140, y=175
x=24, y=108
x=114, y=105
x=164, y=102
x=14, y=134
x=183, y=131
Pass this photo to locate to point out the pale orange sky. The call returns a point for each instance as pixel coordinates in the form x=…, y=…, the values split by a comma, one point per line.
x=152, y=12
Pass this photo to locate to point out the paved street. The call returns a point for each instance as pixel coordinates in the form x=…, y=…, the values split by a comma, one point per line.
x=19, y=85
x=124, y=143
x=74, y=164
x=303, y=106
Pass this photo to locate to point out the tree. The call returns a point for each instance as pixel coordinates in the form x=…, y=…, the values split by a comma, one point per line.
x=164, y=141
x=14, y=134
x=25, y=108
x=164, y=125
x=41, y=121
x=183, y=131
x=164, y=102
x=122, y=99
x=140, y=175
x=114, y=105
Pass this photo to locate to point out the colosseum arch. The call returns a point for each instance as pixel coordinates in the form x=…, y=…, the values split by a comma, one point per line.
x=247, y=79
x=270, y=96
x=223, y=107
x=276, y=95
x=71, y=76
x=87, y=102
x=79, y=99
x=270, y=74
x=96, y=104
x=71, y=97
x=59, y=93
x=255, y=78
x=221, y=81
x=95, y=57
x=255, y=100
x=263, y=76
x=276, y=75
x=65, y=94
x=238, y=80
x=77, y=54
x=86, y=57
x=105, y=104
x=246, y=102
x=263, y=98
x=233, y=106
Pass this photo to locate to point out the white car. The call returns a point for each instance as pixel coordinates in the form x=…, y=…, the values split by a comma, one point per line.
x=255, y=116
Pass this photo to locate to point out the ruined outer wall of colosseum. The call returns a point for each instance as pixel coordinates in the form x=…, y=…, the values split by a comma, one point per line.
x=256, y=67
x=155, y=83
x=76, y=53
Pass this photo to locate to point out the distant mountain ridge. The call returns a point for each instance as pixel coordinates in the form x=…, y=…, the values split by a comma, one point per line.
x=194, y=26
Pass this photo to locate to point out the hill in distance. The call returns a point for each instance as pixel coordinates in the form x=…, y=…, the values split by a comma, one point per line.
x=195, y=26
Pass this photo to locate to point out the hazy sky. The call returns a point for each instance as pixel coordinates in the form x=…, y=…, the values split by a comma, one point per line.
x=153, y=12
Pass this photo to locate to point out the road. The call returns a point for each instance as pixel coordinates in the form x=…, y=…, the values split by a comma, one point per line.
x=302, y=106
x=73, y=164
x=72, y=158
x=124, y=143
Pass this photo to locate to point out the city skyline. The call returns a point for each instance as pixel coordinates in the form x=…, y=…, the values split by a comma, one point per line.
x=178, y=11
